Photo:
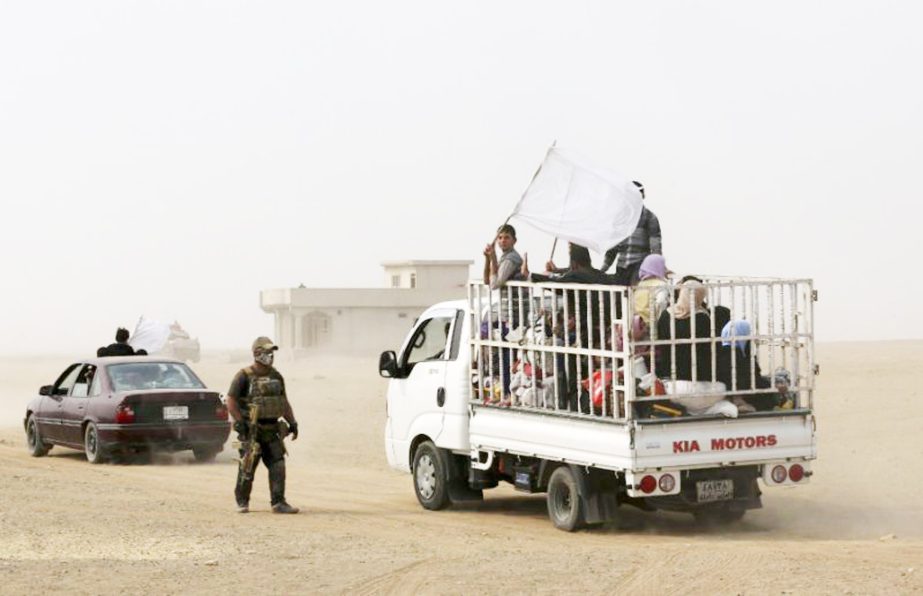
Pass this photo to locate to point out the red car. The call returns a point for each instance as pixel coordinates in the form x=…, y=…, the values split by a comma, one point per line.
x=125, y=405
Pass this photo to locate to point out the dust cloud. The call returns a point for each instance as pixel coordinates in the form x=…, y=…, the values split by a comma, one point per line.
x=66, y=525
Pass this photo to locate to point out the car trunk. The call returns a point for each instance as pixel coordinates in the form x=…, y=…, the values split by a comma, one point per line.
x=174, y=406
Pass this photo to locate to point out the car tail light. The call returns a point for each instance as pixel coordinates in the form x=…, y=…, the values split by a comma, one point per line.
x=667, y=483
x=124, y=414
x=648, y=484
x=779, y=474
x=221, y=412
x=796, y=473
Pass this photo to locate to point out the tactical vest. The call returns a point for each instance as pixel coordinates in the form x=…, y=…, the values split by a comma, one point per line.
x=265, y=393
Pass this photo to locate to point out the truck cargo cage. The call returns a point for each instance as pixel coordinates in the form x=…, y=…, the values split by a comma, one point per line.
x=594, y=351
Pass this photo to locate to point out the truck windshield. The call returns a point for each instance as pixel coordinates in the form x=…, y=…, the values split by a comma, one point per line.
x=153, y=375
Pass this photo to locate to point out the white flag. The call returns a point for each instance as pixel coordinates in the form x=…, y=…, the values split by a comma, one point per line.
x=149, y=335
x=576, y=201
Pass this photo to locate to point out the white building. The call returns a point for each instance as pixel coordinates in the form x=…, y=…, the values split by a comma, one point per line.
x=362, y=320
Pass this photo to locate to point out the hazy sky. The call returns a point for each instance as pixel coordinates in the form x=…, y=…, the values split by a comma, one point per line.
x=175, y=158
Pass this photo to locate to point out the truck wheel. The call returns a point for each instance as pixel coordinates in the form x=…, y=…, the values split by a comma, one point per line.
x=564, y=500
x=95, y=451
x=429, y=477
x=37, y=447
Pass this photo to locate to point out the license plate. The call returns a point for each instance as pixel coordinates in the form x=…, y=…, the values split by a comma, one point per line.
x=176, y=412
x=709, y=491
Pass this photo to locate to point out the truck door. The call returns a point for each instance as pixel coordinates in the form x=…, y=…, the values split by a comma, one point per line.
x=416, y=399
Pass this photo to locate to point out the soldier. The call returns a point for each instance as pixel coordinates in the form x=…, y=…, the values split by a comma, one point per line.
x=261, y=386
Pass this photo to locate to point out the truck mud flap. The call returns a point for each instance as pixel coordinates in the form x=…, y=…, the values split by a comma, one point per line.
x=457, y=469
x=598, y=493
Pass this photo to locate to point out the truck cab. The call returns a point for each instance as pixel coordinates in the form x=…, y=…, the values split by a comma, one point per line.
x=427, y=398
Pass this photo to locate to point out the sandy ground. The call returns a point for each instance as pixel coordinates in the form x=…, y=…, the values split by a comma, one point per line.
x=169, y=527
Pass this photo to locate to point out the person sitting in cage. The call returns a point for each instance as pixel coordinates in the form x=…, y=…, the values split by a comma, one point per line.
x=739, y=370
x=686, y=366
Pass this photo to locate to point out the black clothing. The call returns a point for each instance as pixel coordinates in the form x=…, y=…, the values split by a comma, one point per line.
x=585, y=276
x=118, y=349
x=722, y=318
x=272, y=453
x=574, y=276
x=627, y=275
x=272, y=450
x=728, y=357
x=664, y=356
x=570, y=396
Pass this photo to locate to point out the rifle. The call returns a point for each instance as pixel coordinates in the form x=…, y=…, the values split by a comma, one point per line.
x=250, y=447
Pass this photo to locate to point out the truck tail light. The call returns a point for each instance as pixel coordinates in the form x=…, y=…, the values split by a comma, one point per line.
x=796, y=473
x=124, y=414
x=221, y=412
x=667, y=483
x=779, y=474
x=648, y=484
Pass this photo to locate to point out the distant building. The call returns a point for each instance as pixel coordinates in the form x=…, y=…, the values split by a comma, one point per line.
x=362, y=320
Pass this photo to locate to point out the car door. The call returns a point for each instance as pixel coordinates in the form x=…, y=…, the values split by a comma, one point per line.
x=52, y=410
x=75, y=404
x=417, y=397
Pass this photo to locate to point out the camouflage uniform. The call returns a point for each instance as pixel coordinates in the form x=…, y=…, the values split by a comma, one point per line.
x=268, y=390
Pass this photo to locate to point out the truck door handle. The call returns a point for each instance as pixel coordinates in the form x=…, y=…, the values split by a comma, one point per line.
x=440, y=397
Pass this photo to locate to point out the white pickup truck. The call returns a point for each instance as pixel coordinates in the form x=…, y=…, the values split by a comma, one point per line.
x=529, y=385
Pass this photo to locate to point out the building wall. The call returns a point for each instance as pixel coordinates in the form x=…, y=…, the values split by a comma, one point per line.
x=361, y=330
x=427, y=276
x=441, y=277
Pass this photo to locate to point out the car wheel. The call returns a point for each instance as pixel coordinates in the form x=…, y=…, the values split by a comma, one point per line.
x=37, y=447
x=429, y=477
x=564, y=500
x=92, y=446
x=206, y=454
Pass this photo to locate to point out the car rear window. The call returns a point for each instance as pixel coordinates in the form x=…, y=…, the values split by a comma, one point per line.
x=153, y=375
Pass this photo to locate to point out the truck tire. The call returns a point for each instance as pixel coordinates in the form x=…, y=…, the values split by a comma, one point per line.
x=564, y=506
x=429, y=477
x=37, y=447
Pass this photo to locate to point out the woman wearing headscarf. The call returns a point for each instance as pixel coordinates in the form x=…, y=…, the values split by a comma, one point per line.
x=689, y=319
x=739, y=370
x=650, y=299
x=689, y=384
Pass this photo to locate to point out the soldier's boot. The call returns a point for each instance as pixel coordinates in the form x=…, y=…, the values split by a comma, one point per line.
x=284, y=507
x=277, y=488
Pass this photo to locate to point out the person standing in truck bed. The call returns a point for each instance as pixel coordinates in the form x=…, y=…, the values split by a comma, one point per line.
x=645, y=240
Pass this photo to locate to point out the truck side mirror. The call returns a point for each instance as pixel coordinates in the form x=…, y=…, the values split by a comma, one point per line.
x=387, y=364
x=46, y=390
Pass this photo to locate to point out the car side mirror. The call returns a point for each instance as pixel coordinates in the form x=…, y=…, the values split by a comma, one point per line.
x=387, y=364
x=46, y=390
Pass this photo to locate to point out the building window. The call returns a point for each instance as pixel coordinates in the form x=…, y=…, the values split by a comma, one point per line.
x=413, y=280
x=395, y=281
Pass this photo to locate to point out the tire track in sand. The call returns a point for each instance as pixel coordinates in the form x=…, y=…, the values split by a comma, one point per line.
x=408, y=579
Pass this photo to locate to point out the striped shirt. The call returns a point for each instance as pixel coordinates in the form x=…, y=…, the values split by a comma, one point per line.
x=645, y=240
